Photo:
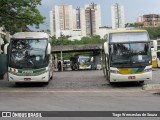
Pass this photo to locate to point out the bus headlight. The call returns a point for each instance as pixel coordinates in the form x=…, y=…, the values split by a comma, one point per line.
x=114, y=71
x=148, y=70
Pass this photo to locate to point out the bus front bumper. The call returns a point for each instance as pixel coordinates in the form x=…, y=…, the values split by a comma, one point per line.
x=39, y=78
x=130, y=77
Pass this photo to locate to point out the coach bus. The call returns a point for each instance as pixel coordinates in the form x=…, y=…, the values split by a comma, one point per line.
x=127, y=56
x=29, y=58
x=81, y=62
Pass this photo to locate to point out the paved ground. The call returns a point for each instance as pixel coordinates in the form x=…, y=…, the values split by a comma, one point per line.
x=79, y=81
x=79, y=91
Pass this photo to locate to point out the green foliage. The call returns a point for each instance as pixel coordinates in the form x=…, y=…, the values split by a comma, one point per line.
x=134, y=25
x=15, y=15
x=63, y=40
x=154, y=32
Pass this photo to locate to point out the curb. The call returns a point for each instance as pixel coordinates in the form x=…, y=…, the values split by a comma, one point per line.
x=151, y=87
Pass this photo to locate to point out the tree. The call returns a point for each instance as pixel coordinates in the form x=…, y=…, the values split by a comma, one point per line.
x=15, y=15
x=154, y=32
x=63, y=40
x=136, y=25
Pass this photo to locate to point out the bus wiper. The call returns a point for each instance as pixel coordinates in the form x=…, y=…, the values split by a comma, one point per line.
x=121, y=64
x=139, y=64
x=37, y=49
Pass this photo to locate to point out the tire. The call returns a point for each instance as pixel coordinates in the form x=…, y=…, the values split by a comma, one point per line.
x=76, y=67
x=108, y=78
x=72, y=68
x=141, y=82
x=111, y=83
x=106, y=74
x=17, y=83
x=105, y=69
x=46, y=83
x=51, y=76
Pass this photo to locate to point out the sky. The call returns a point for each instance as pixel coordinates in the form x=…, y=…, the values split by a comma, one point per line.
x=132, y=9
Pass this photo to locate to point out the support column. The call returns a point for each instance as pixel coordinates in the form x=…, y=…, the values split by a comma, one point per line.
x=61, y=61
x=56, y=61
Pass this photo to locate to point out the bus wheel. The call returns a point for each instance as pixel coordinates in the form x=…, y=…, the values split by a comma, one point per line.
x=108, y=77
x=76, y=67
x=106, y=74
x=141, y=82
x=17, y=83
x=51, y=76
x=111, y=83
x=72, y=68
x=46, y=83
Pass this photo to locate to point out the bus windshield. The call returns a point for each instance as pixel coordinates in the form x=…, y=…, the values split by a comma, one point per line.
x=84, y=60
x=28, y=53
x=130, y=54
x=129, y=37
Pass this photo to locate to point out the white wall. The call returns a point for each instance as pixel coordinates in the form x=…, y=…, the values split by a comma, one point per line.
x=98, y=18
x=51, y=23
x=83, y=22
x=104, y=31
x=122, y=16
x=73, y=32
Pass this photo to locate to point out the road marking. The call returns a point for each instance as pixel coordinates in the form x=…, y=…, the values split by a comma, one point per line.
x=16, y=91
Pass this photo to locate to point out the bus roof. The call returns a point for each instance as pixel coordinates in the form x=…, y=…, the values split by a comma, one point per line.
x=29, y=35
x=83, y=56
x=3, y=33
x=126, y=31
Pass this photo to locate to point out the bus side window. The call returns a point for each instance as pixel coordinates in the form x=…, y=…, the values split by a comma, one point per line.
x=158, y=55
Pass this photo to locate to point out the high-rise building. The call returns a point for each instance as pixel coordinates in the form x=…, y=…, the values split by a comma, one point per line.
x=76, y=18
x=90, y=19
x=118, y=18
x=61, y=19
x=149, y=20
x=66, y=20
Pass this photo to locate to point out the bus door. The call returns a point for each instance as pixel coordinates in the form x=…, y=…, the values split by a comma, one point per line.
x=3, y=65
x=154, y=59
x=158, y=58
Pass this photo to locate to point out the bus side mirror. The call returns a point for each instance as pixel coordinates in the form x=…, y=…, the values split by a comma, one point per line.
x=49, y=49
x=155, y=45
x=106, y=48
x=91, y=59
x=5, y=48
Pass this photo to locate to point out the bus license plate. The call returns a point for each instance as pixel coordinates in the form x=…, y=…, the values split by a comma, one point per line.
x=27, y=79
x=131, y=77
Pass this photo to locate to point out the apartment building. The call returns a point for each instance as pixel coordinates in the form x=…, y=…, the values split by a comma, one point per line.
x=91, y=19
x=61, y=19
x=118, y=17
x=82, y=21
x=149, y=20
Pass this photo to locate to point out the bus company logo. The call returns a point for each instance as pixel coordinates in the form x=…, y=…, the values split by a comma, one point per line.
x=6, y=114
x=21, y=114
x=27, y=72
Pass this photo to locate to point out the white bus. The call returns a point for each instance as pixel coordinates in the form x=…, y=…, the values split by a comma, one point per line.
x=29, y=58
x=81, y=62
x=155, y=54
x=127, y=56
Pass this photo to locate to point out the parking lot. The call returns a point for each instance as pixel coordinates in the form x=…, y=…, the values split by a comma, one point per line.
x=85, y=80
x=79, y=91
